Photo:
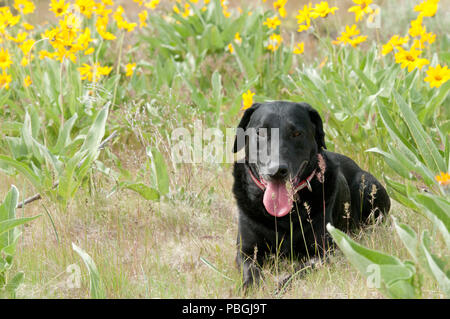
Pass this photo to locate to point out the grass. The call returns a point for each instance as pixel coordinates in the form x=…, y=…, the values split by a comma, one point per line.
x=185, y=246
x=155, y=250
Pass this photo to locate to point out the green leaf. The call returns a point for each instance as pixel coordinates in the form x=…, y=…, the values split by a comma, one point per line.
x=145, y=191
x=396, y=278
x=436, y=266
x=64, y=135
x=425, y=146
x=159, y=169
x=23, y=169
x=97, y=290
x=408, y=237
x=14, y=283
x=9, y=224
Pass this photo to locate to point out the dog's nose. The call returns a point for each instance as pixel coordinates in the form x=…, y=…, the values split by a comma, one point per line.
x=279, y=172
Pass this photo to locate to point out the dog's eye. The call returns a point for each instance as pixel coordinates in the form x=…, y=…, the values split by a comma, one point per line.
x=296, y=133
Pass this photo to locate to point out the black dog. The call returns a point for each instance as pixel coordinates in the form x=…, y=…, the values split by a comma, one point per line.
x=287, y=200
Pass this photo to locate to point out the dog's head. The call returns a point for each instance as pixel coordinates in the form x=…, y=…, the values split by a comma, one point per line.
x=281, y=140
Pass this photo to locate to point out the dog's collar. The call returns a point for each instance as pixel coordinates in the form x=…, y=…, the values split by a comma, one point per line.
x=299, y=186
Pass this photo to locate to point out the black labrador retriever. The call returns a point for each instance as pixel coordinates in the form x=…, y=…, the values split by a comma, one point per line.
x=289, y=187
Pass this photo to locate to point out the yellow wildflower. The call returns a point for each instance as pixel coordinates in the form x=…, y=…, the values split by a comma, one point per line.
x=425, y=37
x=129, y=69
x=274, y=42
x=101, y=27
x=230, y=48
x=443, y=179
x=5, y=79
x=27, y=81
x=279, y=5
x=143, y=18
x=272, y=23
x=410, y=58
x=121, y=22
x=7, y=19
x=247, y=99
x=152, y=4
x=20, y=37
x=416, y=28
x=94, y=72
x=27, y=26
x=58, y=7
x=5, y=59
x=86, y=7
x=237, y=38
x=304, y=18
x=427, y=8
x=436, y=77
x=362, y=7
x=24, y=6
x=299, y=48
x=394, y=42
x=322, y=10
x=350, y=36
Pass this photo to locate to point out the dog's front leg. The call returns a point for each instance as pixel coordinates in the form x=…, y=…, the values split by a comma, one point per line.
x=251, y=273
x=250, y=254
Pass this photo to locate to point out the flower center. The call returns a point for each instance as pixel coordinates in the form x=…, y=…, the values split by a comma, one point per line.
x=438, y=78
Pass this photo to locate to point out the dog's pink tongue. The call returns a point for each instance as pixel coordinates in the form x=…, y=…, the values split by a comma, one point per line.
x=277, y=201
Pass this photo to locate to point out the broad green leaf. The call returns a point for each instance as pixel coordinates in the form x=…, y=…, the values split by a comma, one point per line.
x=14, y=283
x=145, y=191
x=408, y=237
x=97, y=290
x=9, y=224
x=435, y=265
x=425, y=145
x=23, y=169
x=395, y=277
x=160, y=170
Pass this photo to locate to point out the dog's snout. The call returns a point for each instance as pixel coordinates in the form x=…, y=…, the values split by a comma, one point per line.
x=279, y=172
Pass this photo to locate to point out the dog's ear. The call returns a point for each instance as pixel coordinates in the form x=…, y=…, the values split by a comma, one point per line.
x=319, y=133
x=243, y=125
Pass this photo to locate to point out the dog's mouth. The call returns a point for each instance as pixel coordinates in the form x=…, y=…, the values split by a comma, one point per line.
x=279, y=195
x=278, y=198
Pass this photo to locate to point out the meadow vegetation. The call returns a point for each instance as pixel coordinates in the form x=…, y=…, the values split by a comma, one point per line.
x=91, y=91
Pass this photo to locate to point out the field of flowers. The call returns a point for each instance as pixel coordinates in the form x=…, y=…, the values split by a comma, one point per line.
x=93, y=204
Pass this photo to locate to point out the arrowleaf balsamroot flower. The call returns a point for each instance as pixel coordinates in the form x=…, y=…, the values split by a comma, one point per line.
x=92, y=73
x=299, y=48
x=274, y=42
x=362, y=7
x=58, y=7
x=395, y=42
x=272, y=23
x=5, y=59
x=304, y=18
x=5, y=79
x=129, y=69
x=247, y=99
x=350, y=36
x=143, y=18
x=416, y=29
x=443, y=179
x=410, y=58
x=436, y=77
x=24, y=6
x=237, y=38
x=279, y=5
x=27, y=81
x=322, y=10
x=427, y=8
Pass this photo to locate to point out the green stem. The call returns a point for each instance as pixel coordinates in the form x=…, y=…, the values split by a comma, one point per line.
x=118, y=67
